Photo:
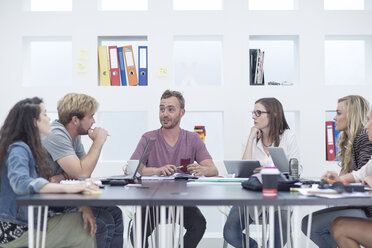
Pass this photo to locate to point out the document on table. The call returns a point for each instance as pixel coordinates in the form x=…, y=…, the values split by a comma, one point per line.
x=315, y=191
x=331, y=193
x=217, y=180
x=158, y=177
x=221, y=179
x=345, y=195
x=171, y=177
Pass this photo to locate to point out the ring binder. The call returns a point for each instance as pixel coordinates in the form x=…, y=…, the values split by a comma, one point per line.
x=130, y=65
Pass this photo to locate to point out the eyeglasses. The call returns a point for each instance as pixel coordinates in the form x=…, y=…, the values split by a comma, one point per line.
x=259, y=112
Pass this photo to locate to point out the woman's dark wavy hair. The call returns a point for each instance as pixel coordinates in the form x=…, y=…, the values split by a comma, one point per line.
x=19, y=125
x=277, y=122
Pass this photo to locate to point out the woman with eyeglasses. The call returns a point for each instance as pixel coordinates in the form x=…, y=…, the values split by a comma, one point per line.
x=25, y=170
x=355, y=150
x=270, y=129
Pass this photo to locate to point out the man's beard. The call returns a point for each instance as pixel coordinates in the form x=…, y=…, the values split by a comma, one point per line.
x=174, y=124
x=82, y=131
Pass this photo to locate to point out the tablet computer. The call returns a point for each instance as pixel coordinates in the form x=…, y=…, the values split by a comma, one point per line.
x=241, y=168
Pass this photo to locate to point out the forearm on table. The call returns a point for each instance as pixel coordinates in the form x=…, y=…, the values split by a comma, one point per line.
x=52, y=188
x=151, y=171
x=348, y=178
x=211, y=169
x=89, y=161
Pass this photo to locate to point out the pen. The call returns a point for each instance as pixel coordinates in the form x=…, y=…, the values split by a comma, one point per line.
x=331, y=181
x=181, y=166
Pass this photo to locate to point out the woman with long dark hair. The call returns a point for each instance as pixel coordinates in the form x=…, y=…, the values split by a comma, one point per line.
x=25, y=170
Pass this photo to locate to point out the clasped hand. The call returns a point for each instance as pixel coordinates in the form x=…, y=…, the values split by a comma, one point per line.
x=98, y=134
x=194, y=169
x=197, y=169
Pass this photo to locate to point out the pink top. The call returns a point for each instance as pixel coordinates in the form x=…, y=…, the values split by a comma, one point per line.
x=188, y=148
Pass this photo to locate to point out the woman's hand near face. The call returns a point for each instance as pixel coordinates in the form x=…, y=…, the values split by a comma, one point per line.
x=255, y=133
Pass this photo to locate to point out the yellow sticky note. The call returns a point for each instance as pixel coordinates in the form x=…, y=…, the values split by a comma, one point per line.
x=82, y=67
x=84, y=55
x=163, y=71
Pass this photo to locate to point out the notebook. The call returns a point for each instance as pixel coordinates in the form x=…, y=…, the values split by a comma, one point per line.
x=279, y=158
x=241, y=168
x=134, y=176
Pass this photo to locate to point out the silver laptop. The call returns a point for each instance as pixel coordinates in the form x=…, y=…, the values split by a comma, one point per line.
x=131, y=177
x=279, y=158
x=241, y=168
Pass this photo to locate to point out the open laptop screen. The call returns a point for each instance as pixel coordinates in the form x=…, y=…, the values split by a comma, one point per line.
x=279, y=158
x=141, y=163
x=145, y=156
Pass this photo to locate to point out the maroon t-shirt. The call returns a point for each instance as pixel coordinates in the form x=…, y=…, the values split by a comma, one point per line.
x=189, y=148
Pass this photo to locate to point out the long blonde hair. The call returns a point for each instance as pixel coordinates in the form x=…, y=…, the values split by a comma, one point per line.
x=356, y=109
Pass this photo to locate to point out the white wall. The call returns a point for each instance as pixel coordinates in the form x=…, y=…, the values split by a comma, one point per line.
x=310, y=97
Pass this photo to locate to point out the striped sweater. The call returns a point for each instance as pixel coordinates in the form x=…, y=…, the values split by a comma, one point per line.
x=362, y=151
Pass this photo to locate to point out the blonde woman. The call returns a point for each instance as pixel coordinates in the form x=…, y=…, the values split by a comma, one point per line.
x=355, y=150
x=351, y=231
x=355, y=147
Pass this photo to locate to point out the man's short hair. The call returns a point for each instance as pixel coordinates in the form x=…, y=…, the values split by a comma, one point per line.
x=74, y=104
x=177, y=94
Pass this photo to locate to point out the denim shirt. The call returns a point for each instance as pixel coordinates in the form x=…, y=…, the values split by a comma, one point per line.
x=19, y=176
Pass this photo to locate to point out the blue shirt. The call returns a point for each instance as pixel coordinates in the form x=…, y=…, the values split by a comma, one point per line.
x=19, y=176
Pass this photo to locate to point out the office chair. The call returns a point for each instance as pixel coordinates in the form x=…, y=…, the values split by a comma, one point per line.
x=173, y=222
x=259, y=220
x=225, y=210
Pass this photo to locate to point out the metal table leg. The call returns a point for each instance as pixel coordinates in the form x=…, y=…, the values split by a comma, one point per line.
x=31, y=226
x=163, y=236
x=44, y=226
x=271, y=224
x=296, y=225
x=137, y=226
x=246, y=223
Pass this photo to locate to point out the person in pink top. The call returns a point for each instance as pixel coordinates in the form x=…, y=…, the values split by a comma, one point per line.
x=175, y=147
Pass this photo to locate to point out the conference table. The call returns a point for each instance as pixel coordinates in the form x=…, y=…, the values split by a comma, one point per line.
x=180, y=193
